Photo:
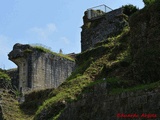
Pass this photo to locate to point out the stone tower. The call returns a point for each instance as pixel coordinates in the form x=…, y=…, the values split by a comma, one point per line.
x=101, y=27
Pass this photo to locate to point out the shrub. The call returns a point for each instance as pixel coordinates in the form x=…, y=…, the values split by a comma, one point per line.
x=148, y=2
x=4, y=76
x=129, y=9
x=5, y=80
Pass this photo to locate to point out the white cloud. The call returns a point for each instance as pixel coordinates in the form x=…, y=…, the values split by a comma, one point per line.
x=64, y=40
x=44, y=33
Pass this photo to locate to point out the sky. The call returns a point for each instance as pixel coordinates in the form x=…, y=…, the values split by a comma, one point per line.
x=55, y=24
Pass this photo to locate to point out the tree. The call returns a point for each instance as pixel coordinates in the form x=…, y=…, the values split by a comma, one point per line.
x=148, y=2
x=129, y=9
x=5, y=80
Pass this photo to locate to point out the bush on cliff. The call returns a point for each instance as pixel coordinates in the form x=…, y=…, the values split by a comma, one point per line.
x=129, y=9
x=148, y=2
x=5, y=80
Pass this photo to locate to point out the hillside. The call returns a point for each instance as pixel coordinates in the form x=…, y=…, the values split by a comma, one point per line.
x=118, y=75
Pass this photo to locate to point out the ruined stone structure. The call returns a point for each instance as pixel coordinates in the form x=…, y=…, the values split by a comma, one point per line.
x=96, y=30
x=38, y=69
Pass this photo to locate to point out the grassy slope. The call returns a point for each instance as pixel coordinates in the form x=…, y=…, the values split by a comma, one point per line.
x=10, y=107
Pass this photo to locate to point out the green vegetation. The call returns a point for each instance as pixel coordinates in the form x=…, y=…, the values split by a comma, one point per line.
x=10, y=107
x=28, y=51
x=46, y=50
x=34, y=100
x=4, y=76
x=129, y=9
x=67, y=92
x=5, y=80
x=148, y=2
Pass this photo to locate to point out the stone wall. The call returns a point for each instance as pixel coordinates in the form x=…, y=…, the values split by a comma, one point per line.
x=108, y=25
x=100, y=105
x=39, y=69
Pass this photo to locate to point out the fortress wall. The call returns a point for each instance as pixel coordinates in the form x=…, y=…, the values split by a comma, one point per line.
x=98, y=105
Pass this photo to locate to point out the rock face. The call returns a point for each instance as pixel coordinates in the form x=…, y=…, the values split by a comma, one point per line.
x=38, y=69
x=94, y=31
